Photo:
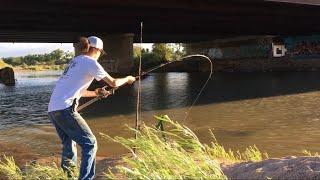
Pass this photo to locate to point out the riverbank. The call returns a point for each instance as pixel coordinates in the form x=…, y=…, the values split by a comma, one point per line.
x=173, y=154
x=39, y=68
x=291, y=167
x=3, y=64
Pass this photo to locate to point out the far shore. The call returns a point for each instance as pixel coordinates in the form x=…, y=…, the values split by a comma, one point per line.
x=38, y=68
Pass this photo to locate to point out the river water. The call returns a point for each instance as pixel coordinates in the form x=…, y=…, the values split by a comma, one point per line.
x=278, y=112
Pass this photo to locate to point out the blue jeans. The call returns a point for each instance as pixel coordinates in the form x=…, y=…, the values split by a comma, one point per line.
x=72, y=129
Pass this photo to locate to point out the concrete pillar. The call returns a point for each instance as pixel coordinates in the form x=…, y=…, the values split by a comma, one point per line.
x=119, y=49
x=77, y=51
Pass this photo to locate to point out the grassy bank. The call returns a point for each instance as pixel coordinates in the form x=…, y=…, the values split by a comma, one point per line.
x=172, y=152
x=3, y=64
x=39, y=67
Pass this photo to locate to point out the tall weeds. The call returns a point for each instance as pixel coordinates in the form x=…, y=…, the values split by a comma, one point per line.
x=218, y=152
x=33, y=171
x=172, y=152
x=175, y=153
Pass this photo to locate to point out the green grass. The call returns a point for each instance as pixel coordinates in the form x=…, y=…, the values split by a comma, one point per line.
x=42, y=67
x=216, y=151
x=3, y=64
x=9, y=169
x=33, y=171
x=309, y=153
x=175, y=153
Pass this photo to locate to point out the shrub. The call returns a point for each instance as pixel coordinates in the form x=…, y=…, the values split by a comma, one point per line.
x=173, y=154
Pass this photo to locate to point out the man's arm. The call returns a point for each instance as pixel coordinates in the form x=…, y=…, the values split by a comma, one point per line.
x=87, y=93
x=113, y=82
x=97, y=92
x=116, y=82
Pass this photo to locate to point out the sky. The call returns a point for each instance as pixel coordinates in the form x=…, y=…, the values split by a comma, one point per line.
x=22, y=49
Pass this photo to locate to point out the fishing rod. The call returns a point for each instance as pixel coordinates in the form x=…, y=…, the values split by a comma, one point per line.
x=112, y=90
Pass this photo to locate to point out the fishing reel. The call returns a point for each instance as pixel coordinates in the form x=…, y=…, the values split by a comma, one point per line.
x=103, y=92
x=111, y=91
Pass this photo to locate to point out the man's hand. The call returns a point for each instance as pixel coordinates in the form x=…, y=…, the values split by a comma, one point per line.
x=130, y=79
x=102, y=92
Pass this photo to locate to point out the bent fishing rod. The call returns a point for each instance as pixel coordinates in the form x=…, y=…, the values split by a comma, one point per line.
x=112, y=90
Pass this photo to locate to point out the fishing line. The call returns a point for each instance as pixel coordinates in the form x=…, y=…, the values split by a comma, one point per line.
x=140, y=74
x=204, y=85
x=149, y=71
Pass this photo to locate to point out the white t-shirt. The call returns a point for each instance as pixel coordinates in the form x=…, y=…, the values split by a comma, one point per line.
x=74, y=81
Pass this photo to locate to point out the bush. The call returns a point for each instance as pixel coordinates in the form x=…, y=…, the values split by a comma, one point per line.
x=174, y=154
x=148, y=60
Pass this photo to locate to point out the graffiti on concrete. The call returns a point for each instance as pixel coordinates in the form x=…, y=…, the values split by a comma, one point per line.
x=246, y=51
x=215, y=53
x=303, y=47
x=306, y=48
x=243, y=51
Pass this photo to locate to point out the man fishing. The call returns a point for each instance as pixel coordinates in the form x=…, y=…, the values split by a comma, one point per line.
x=72, y=85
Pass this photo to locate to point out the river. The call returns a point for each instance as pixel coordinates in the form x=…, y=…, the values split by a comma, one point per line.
x=278, y=112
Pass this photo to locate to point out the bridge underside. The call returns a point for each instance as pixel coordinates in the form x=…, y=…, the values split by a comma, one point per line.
x=164, y=21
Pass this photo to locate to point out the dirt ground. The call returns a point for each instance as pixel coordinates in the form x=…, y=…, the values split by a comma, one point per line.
x=291, y=168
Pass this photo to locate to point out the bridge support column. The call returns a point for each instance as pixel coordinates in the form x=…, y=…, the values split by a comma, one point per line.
x=119, y=49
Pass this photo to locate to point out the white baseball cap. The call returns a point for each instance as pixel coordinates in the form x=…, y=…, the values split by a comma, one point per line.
x=96, y=42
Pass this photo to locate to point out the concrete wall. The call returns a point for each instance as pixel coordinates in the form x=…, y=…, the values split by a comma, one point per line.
x=256, y=53
x=119, y=53
x=119, y=49
x=235, y=48
x=303, y=47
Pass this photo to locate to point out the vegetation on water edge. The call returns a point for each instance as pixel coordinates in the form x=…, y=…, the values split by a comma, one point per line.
x=173, y=152
x=56, y=57
x=11, y=171
x=309, y=153
x=40, y=67
x=160, y=53
x=3, y=64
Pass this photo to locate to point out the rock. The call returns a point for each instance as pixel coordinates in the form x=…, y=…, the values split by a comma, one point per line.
x=7, y=76
x=290, y=168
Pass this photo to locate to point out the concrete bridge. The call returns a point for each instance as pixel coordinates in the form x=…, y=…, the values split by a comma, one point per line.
x=117, y=22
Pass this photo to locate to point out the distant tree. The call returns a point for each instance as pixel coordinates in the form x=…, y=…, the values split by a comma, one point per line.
x=160, y=53
x=179, y=50
x=57, y=57
x=162, y=50
x=15, y=61
x=136, y=52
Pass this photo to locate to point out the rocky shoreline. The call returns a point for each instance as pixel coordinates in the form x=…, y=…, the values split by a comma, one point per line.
x=7, y=76
x=291, y=168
